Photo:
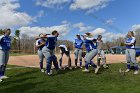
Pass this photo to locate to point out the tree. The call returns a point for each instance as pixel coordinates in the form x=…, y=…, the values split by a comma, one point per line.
x=17, y=34
x=137, y=35
x=1, y=32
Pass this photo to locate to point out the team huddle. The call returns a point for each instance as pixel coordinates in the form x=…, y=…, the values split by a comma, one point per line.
x=46, y=44
x=46, y=48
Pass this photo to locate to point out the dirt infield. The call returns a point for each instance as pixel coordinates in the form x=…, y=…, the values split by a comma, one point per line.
x=33, y=60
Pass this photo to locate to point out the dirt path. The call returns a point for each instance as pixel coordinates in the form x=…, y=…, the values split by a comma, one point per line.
x=32, y=60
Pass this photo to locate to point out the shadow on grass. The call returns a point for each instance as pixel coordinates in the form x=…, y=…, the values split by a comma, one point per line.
x=25, y=73
x=17, y=81
x=67, y=70
x=20, y=88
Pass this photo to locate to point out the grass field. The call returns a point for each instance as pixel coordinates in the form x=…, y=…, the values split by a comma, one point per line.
x=30, y=80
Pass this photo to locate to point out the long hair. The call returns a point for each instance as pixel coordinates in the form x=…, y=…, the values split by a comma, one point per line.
x=5, y=30
x=132, y=33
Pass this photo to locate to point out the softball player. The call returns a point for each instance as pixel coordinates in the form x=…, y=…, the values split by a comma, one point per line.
x=64, y=50
x=101, y=54
x=39, y=46
x=131, y=52
x=78, y=44
x=5, y=44
x=92, y=51
x=49, y=52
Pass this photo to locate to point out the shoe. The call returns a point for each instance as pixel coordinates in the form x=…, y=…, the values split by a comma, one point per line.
x=96, y=70
x=136, y=72
x=0, y=80
x=76, y=67
x=64, y=68
x=61, y=67
x=85, y=70
x=127, y=70
x=81, y=67
x=42, y=70
x=50, y=73
x=70, y=68
x=4, y=77
x=105, y=66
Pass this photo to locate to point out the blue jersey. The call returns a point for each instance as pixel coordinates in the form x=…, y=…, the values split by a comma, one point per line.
x=89, y=45
x=132, y=41
x=51, y=42
x=5, y=43
x=38, y=42
x=78, y=43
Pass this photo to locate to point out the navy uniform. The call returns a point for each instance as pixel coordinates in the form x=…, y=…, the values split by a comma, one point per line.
x=64, y=50
x=78, y=44
x=131, y=54
x=91, y=48
x=49, y=53
x=40, y=53
x=5, y=45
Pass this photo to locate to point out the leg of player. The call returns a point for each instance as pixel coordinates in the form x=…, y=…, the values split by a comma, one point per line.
x=4, y=65
x=103, y=59
x=128, y=60
x=89, y=58
x=60, y=61
x=41, y=56
x=55, y=62
x=1, y=62
x=0, y=73
x=69, y=60
x=80, y=57
x=86, y=63
x=98, y=60
x=48, y=57
x=133, y=59
x=76, y=57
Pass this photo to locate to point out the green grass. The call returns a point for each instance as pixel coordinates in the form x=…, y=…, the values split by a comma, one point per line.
x=30, y=80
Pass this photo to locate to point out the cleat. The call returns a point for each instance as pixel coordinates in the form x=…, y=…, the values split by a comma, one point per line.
x=136, y=72
x=105, y=66
x=42, y=70
x=85, y=70
x=96, y=70
x=50, y=73
x=0, y=80
x=70, y=68
x=127, y=70
x=4, y=77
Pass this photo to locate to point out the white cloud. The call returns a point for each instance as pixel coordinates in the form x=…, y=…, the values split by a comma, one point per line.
x=34, y=31
x=10, y=17
x=98, y=31
x=82, y=27
x=65, y=22
x=107, y=36
x=90, y=5
x=52, y=3
x=136, y=27
x=39, y=15
x=110, y=21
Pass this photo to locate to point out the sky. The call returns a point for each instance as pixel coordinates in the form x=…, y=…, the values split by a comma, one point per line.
x=110, y=18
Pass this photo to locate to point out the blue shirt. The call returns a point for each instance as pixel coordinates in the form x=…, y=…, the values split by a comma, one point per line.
x=78, y=43
x=131, y=40
x=38, y=42
x=51, y=42
x=5, y=43
x=89, y=45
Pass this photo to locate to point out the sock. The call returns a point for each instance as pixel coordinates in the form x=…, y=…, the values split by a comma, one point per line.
x=93, y=65
x=80, y=63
